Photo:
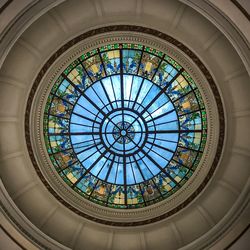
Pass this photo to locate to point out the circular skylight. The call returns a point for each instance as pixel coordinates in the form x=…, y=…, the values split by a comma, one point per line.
x=125, y=125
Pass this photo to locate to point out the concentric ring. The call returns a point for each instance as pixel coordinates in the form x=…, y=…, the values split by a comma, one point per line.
x=132, y=124
x=126, y=126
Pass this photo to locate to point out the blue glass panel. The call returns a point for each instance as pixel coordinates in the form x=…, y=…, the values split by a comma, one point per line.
x=144, y=90
x=112, y=175
x=117, y=86
x=120, y=175
x=137, y=81
x=88, y=126
x=130, y=175
x=127, y=79
x=138, y=176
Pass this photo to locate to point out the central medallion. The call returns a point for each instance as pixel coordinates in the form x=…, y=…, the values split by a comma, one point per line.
x=124, y=132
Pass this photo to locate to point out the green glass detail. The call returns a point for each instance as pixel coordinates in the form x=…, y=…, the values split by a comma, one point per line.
x=125, y=126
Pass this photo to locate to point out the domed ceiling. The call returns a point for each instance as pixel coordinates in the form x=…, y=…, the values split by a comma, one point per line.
x=126, y=128
x=125, y=125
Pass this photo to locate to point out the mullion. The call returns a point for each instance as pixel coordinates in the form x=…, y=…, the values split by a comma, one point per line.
x=61, y=117
x=152, y=179
x=75, y=133
x=162, y=131
x=139, y=168
x=138, y=93
x=182, y=164
x=132, y=169
x=151, y=149
x=162, y=91
x=154, y=144
x=162, y=123
x=108, y=196
x=124, y=177
x=93, y=164
x=124, y=170
x=88, y=110
x=112, y=84
x=193, y=111
x=146, y=95
x=81, y=133
x=157, y=67
x=198, y=151
x=86, y=118
x=94, y=145
x=121, y=79
x=99, y=98
x=71, y=148
x=70, y=165
x=154, y=138
x=83, y=142
x=104, y=66
x=160, y=116
x=185, y=95
x=110, y=167
x=173, y=131
x=94, y=187
x=84, y=95
x=162, y=169
x=137, y=183
x=105, y=91
x=129, y=99
x=55, y=95
x=67, y=88
x=122, y=92
x=99, y=181
x=116, y=173
x=85, y=70
x=139, y=64
x=82, y=125
x=156, y=109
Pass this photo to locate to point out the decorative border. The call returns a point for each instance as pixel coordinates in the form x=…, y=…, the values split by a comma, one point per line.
x=241, y=8
x=43, y=158
x=51, y=174
x=5, y=6
x=166, y=38
x=11, y=237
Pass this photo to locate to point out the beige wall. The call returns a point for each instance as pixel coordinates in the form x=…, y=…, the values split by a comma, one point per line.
x=216, y=31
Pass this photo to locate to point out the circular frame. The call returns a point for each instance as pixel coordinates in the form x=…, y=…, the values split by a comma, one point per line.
x=168, y=207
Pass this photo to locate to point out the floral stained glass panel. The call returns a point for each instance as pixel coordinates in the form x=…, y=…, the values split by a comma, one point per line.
x=125, y=126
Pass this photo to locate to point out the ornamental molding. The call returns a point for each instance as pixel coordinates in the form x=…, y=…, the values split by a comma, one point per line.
x=34, y=118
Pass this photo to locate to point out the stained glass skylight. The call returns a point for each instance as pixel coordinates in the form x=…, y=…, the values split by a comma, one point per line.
x=125, y=126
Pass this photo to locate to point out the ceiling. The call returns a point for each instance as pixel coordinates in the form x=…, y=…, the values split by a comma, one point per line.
x=216, y=31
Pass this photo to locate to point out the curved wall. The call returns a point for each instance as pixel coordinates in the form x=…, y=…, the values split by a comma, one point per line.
x=216, y=216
